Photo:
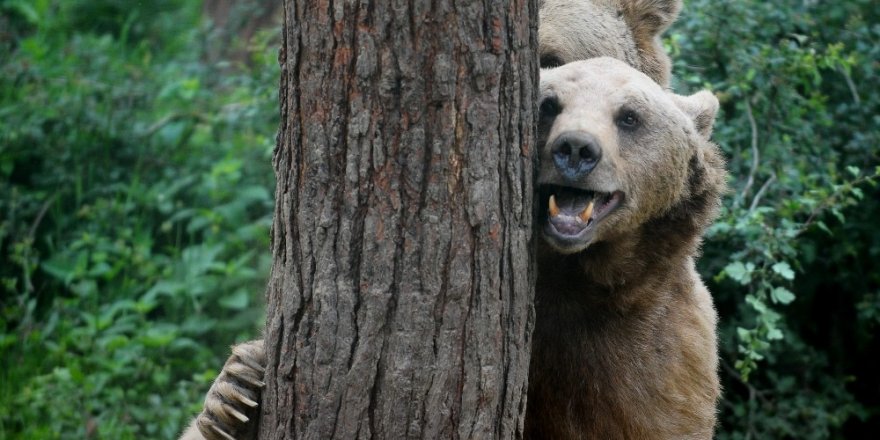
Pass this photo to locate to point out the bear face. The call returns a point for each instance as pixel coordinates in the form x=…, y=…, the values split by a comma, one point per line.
x=629, y=30
x=616, y=151
x=624, y=345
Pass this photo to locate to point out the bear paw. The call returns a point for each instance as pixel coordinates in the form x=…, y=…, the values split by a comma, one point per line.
x=232, y=401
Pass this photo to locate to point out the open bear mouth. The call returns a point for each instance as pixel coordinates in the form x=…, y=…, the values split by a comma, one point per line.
x=571, y=214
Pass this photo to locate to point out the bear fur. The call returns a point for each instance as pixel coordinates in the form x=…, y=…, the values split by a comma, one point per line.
x=569, y=30
x=629, y=30
x=233, y=400
x=625, y=344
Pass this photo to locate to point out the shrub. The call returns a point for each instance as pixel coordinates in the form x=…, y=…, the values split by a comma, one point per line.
x=135, y=181
x=791, y=259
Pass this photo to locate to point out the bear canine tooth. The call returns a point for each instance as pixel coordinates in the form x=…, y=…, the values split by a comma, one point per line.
x=587, y=212
x=554, y=209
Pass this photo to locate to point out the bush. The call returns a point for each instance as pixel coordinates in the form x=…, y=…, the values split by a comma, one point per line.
x=791, y=259
x=135, y=179
x=135, y=208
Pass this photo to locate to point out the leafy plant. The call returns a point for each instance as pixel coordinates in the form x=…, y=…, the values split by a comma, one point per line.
x=135, y=207
x=799, y=124
x=135, y=204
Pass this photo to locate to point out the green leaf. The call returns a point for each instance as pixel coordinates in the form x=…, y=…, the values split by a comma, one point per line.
x=857, y=193
x=757, y=304
x=61, y=267
x=784, y=270
x=158, y=336
x=26, y=10
x=824, y=228
x=782, y=295
x=740, y=272
x=237, y=301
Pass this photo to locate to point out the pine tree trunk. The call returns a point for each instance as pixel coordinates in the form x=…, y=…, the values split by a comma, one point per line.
x=400, y=302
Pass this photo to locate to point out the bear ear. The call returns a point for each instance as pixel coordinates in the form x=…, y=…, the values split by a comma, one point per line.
x=648, y=18
x=701, y=107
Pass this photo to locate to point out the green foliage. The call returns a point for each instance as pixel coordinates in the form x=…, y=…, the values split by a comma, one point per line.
x=791, y=259
x=135, y=181
x=135, y=207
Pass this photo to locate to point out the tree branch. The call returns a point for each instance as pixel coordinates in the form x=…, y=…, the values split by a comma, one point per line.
x=760, y=193
x=852, y=87
x=756, y=154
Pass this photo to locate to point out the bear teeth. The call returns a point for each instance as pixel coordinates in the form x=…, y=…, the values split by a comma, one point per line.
x=553, y=208
x=584, y=216
x=586, y=213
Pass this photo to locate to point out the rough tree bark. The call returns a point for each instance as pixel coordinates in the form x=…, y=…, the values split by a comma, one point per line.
x=400, y=301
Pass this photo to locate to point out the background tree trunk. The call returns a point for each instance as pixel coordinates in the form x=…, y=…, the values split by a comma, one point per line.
x=400, y=302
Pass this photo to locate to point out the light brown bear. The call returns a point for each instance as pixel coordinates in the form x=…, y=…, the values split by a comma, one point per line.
x=569, y=30
x=624, y=345
x=629, y=30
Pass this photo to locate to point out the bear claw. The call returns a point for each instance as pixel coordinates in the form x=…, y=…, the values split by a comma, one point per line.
x=221, y=432
x=233, y=399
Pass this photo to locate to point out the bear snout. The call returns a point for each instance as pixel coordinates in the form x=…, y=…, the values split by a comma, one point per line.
x=575, y=154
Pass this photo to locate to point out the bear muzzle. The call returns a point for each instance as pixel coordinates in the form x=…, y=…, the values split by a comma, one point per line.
x=572, y=215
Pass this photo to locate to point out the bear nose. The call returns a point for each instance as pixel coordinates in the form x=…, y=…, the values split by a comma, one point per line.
x=575, y=153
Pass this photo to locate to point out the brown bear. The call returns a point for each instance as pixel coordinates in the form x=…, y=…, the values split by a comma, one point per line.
x=624, y=345
x=629, y=30
x=569, y=30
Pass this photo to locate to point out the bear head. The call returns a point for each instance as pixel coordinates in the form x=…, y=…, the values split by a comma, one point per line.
x=629, y=30
x=621, y=157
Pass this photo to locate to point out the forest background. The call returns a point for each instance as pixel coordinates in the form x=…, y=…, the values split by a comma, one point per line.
x=136, y=199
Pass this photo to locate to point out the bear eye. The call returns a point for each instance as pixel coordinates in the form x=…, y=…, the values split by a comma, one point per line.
x=628, y=120
x=550, y=61
x=550, y=107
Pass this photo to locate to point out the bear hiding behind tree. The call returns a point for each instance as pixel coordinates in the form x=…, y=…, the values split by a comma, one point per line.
x=569, y=30
x=624, y=345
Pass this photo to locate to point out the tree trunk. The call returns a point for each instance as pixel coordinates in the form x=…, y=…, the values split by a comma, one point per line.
x=400, y=302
